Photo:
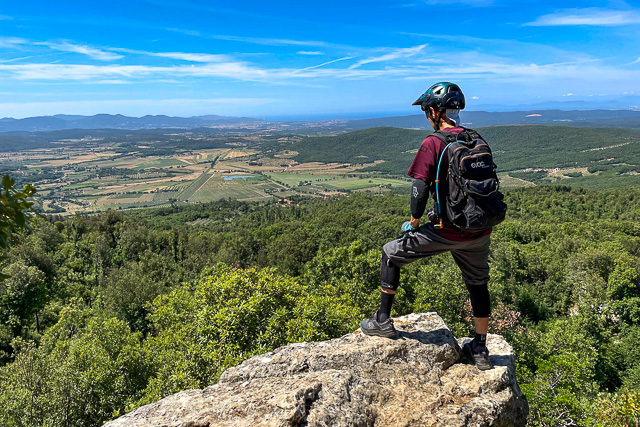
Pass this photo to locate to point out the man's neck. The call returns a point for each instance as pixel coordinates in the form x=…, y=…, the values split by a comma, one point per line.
x=446, y=125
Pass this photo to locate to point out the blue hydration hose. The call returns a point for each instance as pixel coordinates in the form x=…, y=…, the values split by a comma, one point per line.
x=438, y=186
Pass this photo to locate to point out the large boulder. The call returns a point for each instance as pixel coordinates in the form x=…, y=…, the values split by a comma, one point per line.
x=417, y=379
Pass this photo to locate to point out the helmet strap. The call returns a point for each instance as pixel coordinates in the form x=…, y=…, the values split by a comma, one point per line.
x=434, y=120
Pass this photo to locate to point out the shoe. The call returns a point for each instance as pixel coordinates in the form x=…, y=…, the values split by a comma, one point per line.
x=479, y=356
x=384, y=329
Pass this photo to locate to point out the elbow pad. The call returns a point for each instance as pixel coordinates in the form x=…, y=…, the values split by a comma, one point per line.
x=419, y=197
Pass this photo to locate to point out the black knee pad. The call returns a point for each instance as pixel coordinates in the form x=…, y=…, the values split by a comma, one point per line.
x=389, y=273
x=480, y=301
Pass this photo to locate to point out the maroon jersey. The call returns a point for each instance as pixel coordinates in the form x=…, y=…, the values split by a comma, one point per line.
x=424, y=167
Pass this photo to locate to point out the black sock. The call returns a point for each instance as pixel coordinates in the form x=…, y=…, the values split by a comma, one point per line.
x=480, y=340
x=385, y=306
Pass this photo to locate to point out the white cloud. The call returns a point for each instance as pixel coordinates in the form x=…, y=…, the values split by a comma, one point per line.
x=4, y=61
x=396, y=54
x=5, y=18
x=107, y=54
x=325, y=63
x=475, y=97
x=269, y=41
x=404, y=63
x=12, y=42
x=92, y=52
x=182, y=56
x=310, y=52
x=592, y=16
x=81, y=72
x=193, y=33
x=193, y=57
x=475, y=3
x=265, y=41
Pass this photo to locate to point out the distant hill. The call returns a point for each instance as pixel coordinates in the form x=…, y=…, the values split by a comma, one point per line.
x=23, y=140
x=590, y=118
x=515, y=147
x=116, y=121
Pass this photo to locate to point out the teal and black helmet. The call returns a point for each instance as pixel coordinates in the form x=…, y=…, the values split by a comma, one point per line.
x=442, y=96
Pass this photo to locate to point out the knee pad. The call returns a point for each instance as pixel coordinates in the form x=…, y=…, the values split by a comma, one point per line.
x=480, y=300
x=389, y=273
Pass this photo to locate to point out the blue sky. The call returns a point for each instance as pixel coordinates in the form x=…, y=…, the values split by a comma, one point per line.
x=274, y=58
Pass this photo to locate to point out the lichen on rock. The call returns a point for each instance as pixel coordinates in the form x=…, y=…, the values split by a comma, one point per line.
x=417, y=379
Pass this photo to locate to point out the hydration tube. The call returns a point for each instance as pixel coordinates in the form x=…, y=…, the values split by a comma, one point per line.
x=441, y=225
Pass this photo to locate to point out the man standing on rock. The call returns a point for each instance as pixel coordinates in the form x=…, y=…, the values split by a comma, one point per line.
x=470, y=249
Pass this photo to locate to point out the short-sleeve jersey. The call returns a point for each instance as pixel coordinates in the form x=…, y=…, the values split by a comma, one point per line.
x=424, y=167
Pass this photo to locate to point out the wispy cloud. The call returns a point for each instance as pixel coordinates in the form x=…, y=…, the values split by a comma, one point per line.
x=4, y=61
x=182, y=56
x=264, y=41
x=12, y=42
x=193, y=33
x=269, y=41
x=5, y=18
x=80, y=72
x=310, y=52
x=469, y=65
x=325, y=63
x=384, y=63
x=591, y=16
x=92, y=52
x=422, y=3
x=475, y=3
x=398, y=53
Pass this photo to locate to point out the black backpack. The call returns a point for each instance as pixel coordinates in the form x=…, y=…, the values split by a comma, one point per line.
x=473, y=202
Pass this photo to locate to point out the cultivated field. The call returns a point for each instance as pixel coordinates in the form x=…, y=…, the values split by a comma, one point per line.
x=104, y=176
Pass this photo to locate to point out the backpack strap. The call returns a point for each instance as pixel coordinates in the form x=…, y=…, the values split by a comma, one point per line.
x=444, y=136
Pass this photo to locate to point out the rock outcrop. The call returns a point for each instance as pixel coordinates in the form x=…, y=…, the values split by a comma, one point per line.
x=417, y=379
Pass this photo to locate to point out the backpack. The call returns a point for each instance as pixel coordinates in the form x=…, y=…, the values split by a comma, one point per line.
x=473, y=202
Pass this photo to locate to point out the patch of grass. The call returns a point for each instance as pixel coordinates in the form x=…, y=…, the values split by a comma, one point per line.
x=604, y=180
x=158, y=163
x=216, y=188
x=194, y=187
x=360, y=183
x=292, y=179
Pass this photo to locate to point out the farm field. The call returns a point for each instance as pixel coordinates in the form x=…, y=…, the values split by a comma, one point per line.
x=106, y=176
x=131, y=171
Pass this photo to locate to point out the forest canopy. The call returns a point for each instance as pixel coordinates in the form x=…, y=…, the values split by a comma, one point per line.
x=103, y=313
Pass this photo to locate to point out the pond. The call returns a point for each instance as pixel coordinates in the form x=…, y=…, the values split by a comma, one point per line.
x=230, y=177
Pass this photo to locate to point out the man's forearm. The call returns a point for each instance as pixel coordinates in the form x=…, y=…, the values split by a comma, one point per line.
x=419, y=197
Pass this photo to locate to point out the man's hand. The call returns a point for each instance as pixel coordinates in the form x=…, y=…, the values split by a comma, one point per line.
x=407, y=231
x=415, y=222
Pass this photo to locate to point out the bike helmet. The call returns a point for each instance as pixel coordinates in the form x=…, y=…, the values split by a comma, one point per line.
x=442, y=96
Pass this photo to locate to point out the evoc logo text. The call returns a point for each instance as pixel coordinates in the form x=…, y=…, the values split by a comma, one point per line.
x=478, y=165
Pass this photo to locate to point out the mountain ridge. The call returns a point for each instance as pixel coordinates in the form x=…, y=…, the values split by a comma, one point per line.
x=576, y=118
x=116, y=121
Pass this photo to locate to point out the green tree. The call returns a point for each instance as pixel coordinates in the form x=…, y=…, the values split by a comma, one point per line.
x=86, y=370
x=231, y=314
x=22, y=295
x=13, y=203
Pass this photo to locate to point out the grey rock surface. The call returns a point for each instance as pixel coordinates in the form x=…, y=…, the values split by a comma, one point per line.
x=417, y=379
